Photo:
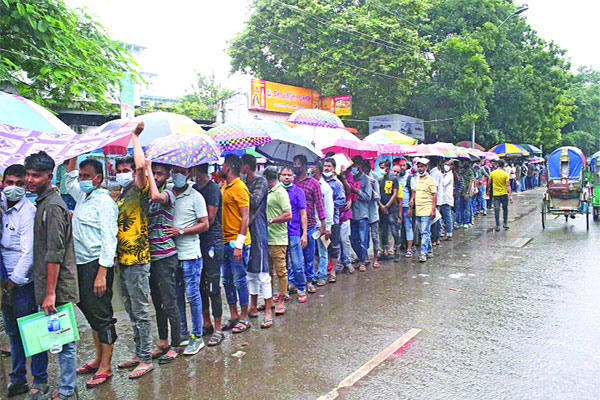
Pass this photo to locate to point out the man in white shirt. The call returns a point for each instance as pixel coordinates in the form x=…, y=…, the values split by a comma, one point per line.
x=438, y=177
x=18, y=297
x=317, y=173
x=447, y=199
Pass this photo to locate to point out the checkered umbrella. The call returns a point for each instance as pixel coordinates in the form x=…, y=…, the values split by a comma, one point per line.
x=315, y=117
x=184, y=150
x=237, y=136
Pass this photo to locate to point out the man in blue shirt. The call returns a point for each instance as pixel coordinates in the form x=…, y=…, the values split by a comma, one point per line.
x=18, y=298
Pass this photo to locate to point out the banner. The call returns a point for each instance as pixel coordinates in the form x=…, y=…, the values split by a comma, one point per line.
x=18, y=143
x=127, y=106
x=339, y=105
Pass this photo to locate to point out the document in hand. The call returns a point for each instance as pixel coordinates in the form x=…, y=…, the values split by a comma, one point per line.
x=34, y=330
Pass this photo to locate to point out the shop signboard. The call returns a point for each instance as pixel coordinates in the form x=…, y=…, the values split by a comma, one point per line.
x=339, y=105
x=271, y=96
x=410, y=126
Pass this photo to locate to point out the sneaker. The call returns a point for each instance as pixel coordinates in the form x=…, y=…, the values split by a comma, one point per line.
x=466, y=226
x=194, y=346
x=184, y=341
x=422, y=258
x=505, y=226
x=497, y=229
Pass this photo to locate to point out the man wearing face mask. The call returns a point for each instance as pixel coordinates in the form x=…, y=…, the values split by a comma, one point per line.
x=190, y=217
x=133, y=252
x=425, y=199
x=18, y=297
x=359, y=226
x=446, y=201
x=314, y=209
x=407, y=183
x=388, y=210
x=54, y=267
x=95, y=239
x=339, y=204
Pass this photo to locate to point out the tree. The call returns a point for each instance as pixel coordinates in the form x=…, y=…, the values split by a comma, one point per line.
x=203, y=100
x=59, y=57
x=360, y=48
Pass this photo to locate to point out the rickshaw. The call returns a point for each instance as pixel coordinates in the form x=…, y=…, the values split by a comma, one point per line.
x=594, y=182
x=566, y=193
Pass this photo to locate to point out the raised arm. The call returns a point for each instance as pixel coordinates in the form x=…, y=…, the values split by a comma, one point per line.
x=138, y=157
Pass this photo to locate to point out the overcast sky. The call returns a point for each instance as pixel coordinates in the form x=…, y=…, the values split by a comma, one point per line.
x=183, y=36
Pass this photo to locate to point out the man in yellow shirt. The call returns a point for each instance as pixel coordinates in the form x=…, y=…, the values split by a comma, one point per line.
x=424, y=196
x=501, y=192
x=236, y=238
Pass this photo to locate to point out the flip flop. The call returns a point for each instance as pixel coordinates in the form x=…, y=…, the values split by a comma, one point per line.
x=280, y=310
x=159, y=351
x=145, y=370
x=166, y=359
x=331, y=279
x=128, y=364
x=104, y=378
x=229, y=325
x=86, y=369
x=267, y=323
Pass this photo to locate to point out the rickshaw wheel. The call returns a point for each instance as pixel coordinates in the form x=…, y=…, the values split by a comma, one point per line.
x=543, y=214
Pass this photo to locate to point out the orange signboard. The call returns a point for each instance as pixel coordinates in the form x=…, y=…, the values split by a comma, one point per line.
x=271, y=96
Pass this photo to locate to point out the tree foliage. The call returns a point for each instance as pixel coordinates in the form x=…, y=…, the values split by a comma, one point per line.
x=58, y=56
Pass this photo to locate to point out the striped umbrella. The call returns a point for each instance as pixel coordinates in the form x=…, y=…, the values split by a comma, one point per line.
x=509, y=150
x=237, y=136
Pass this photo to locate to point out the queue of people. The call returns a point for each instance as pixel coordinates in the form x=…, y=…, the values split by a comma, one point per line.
x=177, y=236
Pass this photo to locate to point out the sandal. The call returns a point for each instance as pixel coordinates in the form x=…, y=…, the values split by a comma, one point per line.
x=102, y=377
x=362, y=268
x=408, y=254
x=242, y=326
x=331, y=279
x=159, y=351
x=267, y=323
x=260, y=308
x=302, y=298
x=167, y=359
x=145, y=370
x=376, y=264
x=351, y=269
x=279, y=310
x=229, y=325
x=86, y=369
x=216, y=339
x=128, y=364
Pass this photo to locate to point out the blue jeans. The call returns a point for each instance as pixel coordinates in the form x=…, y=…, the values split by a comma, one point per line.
x=323, y=260
x=23, y=304
x=67, y=360
x=479, y=204
x=425, y=229
x=523, y=183
x=234, y=276
x=446, y=212
x=187, y=285
x=463, y=215
x=359, y=237
x=309, y=255
x=296, y=263
x=407, y=223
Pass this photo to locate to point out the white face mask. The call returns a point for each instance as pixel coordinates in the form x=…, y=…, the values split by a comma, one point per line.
x=179, y=180
x=446, y=168
x=125, y=179
x=14, y=193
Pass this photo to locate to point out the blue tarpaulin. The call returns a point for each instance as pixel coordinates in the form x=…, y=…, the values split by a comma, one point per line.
x=566, y=162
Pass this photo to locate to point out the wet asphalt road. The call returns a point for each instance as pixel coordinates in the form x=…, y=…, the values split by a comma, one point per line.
x=498, y=322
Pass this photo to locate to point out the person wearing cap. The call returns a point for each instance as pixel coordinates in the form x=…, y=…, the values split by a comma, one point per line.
x=425, y=199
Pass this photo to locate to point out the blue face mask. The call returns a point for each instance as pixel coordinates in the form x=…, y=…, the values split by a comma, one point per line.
x=87, y=186
x=125, y=179
x=289, y=185
x=354, y=171
x=179, y=180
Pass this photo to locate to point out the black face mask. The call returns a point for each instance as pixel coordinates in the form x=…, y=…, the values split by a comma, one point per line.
x=297, y=171
x=403, y=172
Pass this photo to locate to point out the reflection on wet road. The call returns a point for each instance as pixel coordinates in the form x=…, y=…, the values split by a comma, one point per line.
x=501, y=317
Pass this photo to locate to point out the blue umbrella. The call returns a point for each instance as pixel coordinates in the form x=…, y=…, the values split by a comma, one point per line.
x=286, y=144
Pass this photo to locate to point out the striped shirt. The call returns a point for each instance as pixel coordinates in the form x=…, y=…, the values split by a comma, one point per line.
x=159, y=216
x=314, y=199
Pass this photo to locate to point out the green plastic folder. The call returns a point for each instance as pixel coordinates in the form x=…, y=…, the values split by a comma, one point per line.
x=34, y=329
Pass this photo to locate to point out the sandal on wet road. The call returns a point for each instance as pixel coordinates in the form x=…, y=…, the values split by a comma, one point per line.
x=128, y=364
x=216, y=339
x=97, y=380
x=267, y=323
x=138, y=372
x=242, y=326
x=159, y=351
x=229, y=325
x=86, y=369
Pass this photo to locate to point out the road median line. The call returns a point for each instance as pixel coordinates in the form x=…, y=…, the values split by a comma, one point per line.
x=372, y=364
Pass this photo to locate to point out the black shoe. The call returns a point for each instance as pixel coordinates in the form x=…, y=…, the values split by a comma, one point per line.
x=397, y=256
x=505, y=226
x=497, y=228
x=15, y=389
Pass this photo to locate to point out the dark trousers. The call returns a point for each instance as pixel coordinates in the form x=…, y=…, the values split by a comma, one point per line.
x=210, y=280
x=501, y=200
x=162, y=290
x=389, y=221
x=436, y=231
x=333, y=251
x=22, y=304
x=97, y=309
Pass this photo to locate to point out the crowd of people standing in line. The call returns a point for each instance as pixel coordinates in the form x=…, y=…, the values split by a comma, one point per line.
x=174, y=235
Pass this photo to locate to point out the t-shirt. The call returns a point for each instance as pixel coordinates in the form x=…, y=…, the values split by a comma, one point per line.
x=425, y=188
x=189, y=206
x=212, y=196
x=407, y=183
x=159, y=216
x=133, y=246
x=235, y=195
x=387, y=184
x=499, y=178
x=298, y=202
x=278, y=202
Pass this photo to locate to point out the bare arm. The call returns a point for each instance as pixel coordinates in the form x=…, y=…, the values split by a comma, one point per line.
x=155, y=194
x=138, y=157
x=284, y=217
x=304, y=222
x=212, y=214
x=245, y=212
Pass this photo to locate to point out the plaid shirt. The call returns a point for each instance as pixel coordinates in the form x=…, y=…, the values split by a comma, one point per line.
x=314, y=199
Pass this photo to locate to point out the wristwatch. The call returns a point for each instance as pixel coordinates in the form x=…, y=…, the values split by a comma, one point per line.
x=181, y=232
x=270, y=220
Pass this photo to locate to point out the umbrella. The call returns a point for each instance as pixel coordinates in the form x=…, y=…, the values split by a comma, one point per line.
x=184, y=150
x=395, y=149
x=286, y=144
x=491, y=156
x=427, y=150
x=469, y=144
x=237, y=136
x=21, y=113
x=531, y=148
x=447, y=149
x=315, y=117
x=352, y=147
x=509, y=150
x=384, y=136
x=338, y=140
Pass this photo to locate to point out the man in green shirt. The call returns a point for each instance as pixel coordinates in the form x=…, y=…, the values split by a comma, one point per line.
x=279, y=211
